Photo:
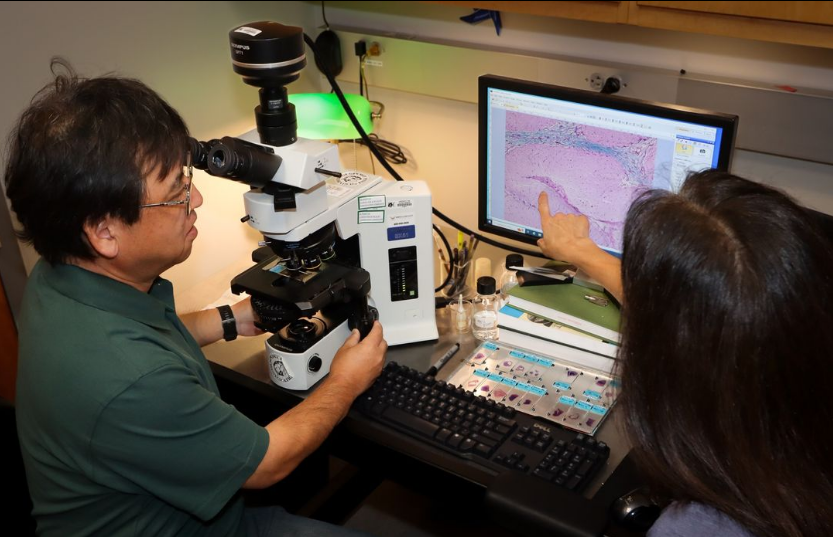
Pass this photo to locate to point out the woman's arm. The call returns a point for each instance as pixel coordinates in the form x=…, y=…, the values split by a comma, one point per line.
x=567, y=238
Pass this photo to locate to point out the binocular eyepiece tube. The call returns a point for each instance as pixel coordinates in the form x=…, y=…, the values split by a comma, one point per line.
x=235, y=159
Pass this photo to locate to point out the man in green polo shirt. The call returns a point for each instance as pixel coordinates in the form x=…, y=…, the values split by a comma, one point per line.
x=120, y=421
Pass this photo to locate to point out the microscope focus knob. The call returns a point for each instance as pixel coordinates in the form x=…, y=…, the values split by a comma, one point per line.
x=314, y=364
x=362, y=319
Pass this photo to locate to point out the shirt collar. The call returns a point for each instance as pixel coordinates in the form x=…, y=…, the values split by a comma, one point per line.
x=107, y=294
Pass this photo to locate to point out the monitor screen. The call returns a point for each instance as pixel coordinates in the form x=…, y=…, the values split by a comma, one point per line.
x=592, y=153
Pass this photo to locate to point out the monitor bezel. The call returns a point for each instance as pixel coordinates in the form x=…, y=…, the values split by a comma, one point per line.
x=728, y=122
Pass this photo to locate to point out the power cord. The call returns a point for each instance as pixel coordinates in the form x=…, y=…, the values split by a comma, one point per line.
x=395, y=174
x=450, y=256
x=390, y=150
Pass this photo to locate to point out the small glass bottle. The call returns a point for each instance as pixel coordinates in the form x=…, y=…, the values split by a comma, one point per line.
x=486, y=304
x=509, y=276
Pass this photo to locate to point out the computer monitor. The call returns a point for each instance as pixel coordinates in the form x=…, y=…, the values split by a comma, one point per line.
x=592, y=153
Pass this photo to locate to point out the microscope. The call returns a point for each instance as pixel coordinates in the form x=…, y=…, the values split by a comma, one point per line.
x=340, y=249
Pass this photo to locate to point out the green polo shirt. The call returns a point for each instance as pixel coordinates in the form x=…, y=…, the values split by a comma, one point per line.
x=120, y=421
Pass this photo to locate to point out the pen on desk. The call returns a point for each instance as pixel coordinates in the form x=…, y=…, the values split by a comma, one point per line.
x=442, y=361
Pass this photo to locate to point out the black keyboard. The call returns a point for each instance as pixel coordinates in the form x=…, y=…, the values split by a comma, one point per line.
x=481, y=430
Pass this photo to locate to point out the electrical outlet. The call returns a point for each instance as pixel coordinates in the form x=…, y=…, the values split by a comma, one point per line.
x=374, y=49
x=596, y=81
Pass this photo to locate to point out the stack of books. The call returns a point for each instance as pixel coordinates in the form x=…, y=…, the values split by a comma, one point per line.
x=566, y=314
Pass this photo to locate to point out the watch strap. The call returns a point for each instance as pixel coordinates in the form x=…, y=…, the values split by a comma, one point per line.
x=229, y=323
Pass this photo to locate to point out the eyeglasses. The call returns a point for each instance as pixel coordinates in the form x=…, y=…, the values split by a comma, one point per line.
x=188, y=173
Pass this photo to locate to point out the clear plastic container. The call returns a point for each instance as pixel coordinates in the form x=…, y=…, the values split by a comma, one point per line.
x=460, y=312
x=486, y=304
x=458, y=283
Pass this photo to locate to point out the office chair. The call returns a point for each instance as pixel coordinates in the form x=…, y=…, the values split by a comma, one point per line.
x=16, y=509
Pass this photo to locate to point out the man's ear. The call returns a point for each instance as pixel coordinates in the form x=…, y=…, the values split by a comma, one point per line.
x=103, y=236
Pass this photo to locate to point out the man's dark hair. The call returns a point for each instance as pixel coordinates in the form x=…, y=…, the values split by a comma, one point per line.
x=82, y=151
x=726, y=352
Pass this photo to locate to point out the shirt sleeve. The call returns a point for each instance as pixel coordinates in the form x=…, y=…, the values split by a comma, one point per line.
x=695, y=520
x=173, y=438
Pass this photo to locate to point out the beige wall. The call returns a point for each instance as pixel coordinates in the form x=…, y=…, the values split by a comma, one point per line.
x=180, y=49
x=442, y=134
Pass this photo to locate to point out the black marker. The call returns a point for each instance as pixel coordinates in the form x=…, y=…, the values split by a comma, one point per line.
x=445, y=358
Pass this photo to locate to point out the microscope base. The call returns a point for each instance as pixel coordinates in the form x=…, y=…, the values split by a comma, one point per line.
x=300, y=371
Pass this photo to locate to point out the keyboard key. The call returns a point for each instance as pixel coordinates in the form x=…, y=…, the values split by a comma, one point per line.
x=505, y=421
x=454, y=440
x=584, y=468
x=573, y=482
x=492, y=435
x=543, y=474
x=484, y=450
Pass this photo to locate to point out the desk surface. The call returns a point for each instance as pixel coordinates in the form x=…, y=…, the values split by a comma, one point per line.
x=242, y=364
x=244, y=359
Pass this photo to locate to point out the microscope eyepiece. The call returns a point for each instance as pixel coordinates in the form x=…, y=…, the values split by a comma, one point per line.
x=199, y=152
x=242, y=161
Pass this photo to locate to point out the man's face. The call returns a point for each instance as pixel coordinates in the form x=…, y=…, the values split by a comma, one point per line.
x=163, y=236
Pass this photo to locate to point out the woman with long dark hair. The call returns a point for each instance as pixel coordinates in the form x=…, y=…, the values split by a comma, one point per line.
x=727, y=348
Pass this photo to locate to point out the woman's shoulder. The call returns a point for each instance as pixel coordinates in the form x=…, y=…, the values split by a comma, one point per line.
x=695, y=520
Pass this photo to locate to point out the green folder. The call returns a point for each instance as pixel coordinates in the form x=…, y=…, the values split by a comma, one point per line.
x=573, y=305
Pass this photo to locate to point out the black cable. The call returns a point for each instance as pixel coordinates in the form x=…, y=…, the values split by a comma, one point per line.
x=391, y=151
x=448, y=250
x=361, y=75
x=396, y=175
x=324, y=15
x=362, y=78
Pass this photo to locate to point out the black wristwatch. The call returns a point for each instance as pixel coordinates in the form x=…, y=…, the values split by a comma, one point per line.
x=229, y=324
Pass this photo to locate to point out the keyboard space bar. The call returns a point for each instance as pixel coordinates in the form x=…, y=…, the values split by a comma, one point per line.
x=410, y=421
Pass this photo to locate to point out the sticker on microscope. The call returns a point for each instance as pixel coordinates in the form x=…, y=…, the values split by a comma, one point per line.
x=372, y=217
x=336, y=191
x=352, y=178
x=371, y=202
x=401, y=219
x=399, y=233
x=278, y=369
x=248, y=30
